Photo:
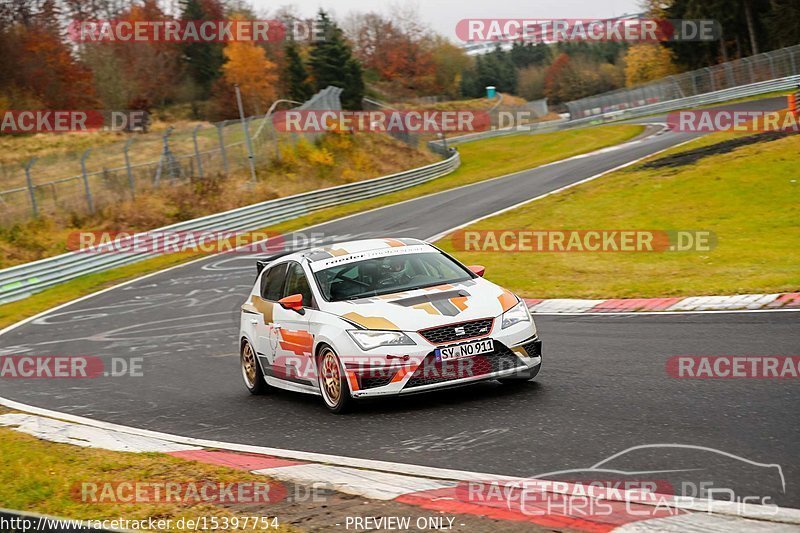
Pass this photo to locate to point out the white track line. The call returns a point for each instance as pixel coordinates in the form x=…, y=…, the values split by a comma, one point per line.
x=87, y=436
x=366, y=483
x=443, y=234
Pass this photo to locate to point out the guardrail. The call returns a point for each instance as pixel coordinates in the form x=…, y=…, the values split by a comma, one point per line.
x=23, y=280
x=772, y=65
x=734, y=93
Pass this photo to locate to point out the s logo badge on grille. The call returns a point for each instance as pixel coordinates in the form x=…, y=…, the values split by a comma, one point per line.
x=459, y=330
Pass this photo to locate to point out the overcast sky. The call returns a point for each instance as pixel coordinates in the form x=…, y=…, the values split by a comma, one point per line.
x=442, y=15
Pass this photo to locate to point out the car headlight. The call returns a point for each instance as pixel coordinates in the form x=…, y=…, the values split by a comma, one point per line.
x=515, y=315
x=369, y=339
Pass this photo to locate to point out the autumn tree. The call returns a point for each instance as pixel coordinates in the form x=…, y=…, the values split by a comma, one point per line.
x=247, y=65
x=149, y=73
x=40, y=69
x=647, y=62
x=449, y=63
x=401, y=57
x=569, y=79
x=530, y=82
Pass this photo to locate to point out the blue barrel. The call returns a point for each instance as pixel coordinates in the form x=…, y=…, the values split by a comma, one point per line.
x=491, y=92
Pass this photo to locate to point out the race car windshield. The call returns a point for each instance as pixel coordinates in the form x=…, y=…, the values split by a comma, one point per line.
x=386, y=275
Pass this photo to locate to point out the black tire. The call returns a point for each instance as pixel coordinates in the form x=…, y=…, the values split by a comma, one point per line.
x=333, y=386
x=524, y=378
x=252, y=375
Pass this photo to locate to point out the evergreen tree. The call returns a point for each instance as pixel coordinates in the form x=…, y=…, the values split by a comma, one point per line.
x=332, y=63
x=297, y=77
x=354, y=90
x=527, y=54
x=496, y=68
x=204, y=59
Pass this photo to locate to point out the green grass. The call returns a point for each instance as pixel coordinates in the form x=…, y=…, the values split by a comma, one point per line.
x=39, y=476
x=480, y=160
x=749, y=197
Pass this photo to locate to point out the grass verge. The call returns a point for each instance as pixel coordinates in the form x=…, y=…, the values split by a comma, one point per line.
x=39, y=476
x=749, y=197
x=332, y=159
x=480, y=160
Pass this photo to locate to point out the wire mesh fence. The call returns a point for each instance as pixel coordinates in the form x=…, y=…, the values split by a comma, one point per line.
x=762, y=67
x=90, y=179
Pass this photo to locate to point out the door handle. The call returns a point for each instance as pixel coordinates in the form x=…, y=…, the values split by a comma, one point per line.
x=254, y=322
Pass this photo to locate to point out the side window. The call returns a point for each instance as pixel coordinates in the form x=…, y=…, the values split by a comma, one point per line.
x=297, y=283
x=272, y=282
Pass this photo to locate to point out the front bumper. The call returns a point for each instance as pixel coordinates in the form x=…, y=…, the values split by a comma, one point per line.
x=517, y=353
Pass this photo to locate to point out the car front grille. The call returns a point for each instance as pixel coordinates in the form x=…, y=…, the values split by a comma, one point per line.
x=432, y=371
x=448, y=333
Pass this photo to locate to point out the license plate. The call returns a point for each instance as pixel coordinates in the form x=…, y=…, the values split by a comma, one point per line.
x=448, y=353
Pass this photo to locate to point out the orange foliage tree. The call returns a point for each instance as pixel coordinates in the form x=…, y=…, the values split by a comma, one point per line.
x=248, y=66
x=646, y=62
x=394, y=55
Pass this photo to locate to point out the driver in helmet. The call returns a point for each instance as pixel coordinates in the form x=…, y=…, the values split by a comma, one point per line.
x=393, y=271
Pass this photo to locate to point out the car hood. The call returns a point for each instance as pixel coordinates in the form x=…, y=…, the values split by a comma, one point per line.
x=429, y=307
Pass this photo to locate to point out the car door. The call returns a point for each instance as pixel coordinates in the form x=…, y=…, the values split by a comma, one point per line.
x=294, y=349
x=272, y=282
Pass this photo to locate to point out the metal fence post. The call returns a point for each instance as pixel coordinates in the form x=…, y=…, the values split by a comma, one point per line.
x=710, y=78
x=197, y=150
x=752, y=73
x=171, y=162
x=131, y=183
x=250, y=156
x=164, y=156
x=31, y=190
x=87, y=188
x=220, y=127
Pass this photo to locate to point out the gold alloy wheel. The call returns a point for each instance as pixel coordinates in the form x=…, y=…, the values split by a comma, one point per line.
x=249, y=365
x=331, y=378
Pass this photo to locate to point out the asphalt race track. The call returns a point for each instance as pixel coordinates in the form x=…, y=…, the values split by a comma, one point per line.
x=603, y=388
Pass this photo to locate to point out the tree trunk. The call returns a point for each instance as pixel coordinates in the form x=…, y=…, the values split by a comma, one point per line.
x=748, y=15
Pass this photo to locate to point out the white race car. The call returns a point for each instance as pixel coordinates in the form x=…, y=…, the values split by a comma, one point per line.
x=381, y=317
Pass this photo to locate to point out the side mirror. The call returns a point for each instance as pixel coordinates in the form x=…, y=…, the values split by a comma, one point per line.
x=294, y=302
x=478, y=270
